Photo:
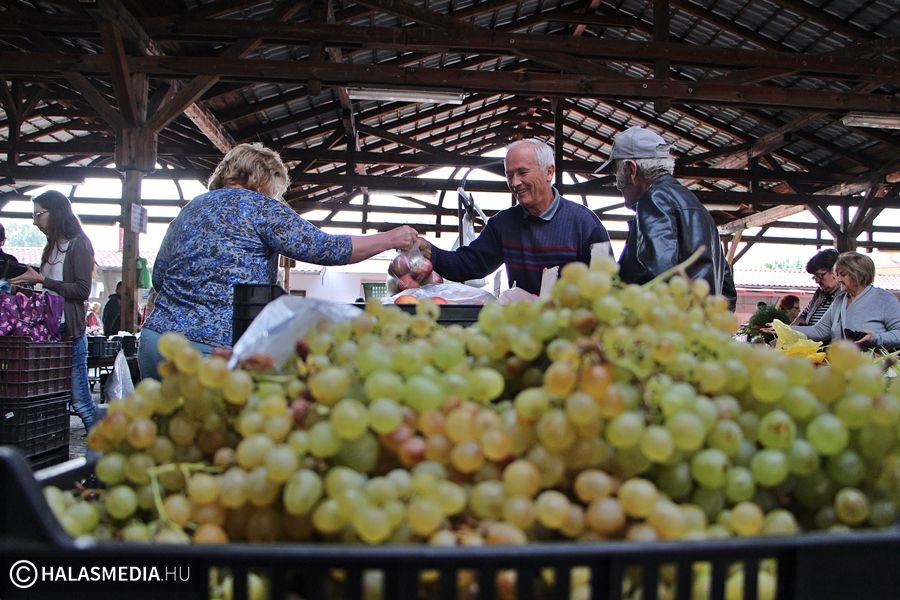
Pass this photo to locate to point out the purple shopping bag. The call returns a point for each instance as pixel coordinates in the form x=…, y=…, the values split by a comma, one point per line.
x=36, y=316
x=9, y=313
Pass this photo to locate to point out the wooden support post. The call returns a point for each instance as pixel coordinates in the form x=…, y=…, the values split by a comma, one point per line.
x=130, y=248
x=558, y=119
x=732, y=248
x=287, y=264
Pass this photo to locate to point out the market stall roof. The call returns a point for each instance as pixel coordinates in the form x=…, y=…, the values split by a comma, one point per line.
x=750, y=279
x=363, y=96
x=103, y=259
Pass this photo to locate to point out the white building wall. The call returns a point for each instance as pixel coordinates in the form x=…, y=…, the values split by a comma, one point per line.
x=340, y=286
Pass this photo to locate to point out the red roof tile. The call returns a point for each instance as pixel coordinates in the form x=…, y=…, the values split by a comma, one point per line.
x=105, y=259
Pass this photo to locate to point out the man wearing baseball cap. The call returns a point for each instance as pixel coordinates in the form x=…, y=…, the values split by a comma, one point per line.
x=669, y=222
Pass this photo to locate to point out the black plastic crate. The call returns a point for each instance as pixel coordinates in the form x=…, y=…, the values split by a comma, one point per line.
x=256, y=294
x=128, y=343
x=112, y=347
x=34, y=369
x=50, y=457
x=96, y=345
x=249, y=300
x=451, y=314
x=37, y=425
x=860, y=564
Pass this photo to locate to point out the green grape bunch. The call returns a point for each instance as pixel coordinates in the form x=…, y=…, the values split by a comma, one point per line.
x=607, y=411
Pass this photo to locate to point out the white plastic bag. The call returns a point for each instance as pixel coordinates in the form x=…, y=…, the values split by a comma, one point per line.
x=410, y=269
x=119, y=384
x=282, y=323
x=516, y=294
x=451, y=292
x=468, y=230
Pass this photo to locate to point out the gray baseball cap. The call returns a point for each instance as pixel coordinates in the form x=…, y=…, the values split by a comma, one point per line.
x=636, y=142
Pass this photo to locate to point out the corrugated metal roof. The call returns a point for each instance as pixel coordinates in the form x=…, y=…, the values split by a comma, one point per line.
x=305, y=122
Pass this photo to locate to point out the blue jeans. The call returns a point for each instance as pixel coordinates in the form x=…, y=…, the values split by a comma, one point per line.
x=82, y=401
x=149, y=356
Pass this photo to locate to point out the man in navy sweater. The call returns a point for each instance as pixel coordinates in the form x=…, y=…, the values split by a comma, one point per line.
x=543, y=230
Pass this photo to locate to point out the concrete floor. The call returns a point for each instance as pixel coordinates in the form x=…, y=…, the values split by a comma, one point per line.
x=77, y=437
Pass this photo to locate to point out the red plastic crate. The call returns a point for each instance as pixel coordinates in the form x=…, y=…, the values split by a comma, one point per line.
x=36, y=426
x=34, y=369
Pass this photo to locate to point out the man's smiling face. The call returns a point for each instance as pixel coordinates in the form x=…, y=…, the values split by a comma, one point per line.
x=529, y=183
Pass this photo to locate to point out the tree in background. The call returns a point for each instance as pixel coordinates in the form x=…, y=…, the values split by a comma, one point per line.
x=785, y=265
x=24, y=235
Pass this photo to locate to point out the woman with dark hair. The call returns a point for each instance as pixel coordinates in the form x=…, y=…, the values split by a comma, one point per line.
x=821, y=268
x=67, y=265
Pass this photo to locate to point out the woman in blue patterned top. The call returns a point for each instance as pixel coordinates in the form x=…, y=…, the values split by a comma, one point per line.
x=233, y=234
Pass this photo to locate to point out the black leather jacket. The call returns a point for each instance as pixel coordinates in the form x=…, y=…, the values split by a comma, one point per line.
x=669, y=224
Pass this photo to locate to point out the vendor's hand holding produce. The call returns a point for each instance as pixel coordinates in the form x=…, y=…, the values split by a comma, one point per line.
x=410, y=269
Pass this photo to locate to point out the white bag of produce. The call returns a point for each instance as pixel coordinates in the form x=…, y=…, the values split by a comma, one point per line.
x=444, y=293
x=119, y=384
x=282, y=323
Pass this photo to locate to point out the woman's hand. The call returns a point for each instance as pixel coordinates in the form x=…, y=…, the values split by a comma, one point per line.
x=863, y=342
x=403, y=237
x=29, y=277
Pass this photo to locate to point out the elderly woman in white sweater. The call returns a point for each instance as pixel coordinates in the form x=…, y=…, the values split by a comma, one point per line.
x=865, y=314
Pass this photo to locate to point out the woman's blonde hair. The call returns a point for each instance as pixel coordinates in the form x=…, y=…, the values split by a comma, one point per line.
x=858, y=266
x=251, y=166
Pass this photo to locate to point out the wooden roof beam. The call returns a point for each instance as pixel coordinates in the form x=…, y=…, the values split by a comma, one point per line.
x=88, y=91
x=443, y=33
x=411, y=184
x=764, y=217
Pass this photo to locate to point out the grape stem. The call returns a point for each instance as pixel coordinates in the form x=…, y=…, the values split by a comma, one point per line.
x=185, y=469
x=680, y=268
x=887, y=361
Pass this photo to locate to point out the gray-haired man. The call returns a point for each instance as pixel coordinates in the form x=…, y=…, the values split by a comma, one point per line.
x=669, y=223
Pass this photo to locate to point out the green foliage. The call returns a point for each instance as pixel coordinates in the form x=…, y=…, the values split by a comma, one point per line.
x=761, y=318
x=766, y=315
x=24, y=235
x=785, y=264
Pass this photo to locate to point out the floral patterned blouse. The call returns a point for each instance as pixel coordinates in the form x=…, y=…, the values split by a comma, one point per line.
x=225, y=237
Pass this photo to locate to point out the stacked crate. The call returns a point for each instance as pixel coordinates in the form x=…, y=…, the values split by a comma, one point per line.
x=35, y=389
x=248, y=302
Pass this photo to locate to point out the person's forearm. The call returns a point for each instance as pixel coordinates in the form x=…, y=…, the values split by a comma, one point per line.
x=888, y=339
x=818, y=332
x=367, y=246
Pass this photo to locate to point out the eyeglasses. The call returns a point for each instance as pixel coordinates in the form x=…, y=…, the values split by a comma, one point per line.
x=820, y=275
x=37, y=215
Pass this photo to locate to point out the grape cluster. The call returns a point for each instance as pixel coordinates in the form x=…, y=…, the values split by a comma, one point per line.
x=607, y=412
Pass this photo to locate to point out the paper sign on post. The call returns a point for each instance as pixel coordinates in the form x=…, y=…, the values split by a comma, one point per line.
x=138, y=219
